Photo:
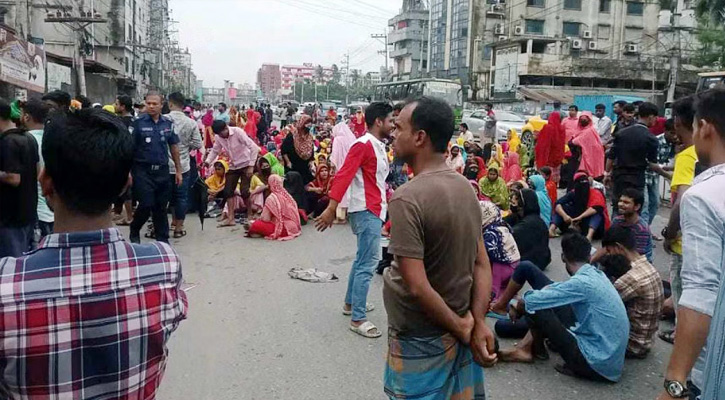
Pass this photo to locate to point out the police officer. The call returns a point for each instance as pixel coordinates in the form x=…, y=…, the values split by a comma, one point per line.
x=154, y=139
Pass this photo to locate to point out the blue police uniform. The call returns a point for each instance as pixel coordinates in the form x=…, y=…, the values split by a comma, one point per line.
x=151, y=185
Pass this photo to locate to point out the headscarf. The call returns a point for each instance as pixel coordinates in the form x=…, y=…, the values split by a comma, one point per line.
x=539, y=185
x=216, y=183
x=304, y=141
x=456, y=163
x=477, y=191
x=323, y=184
x=550, y=144
x=110, y=108
x=586, y=197
x=277, y=167
x=523, y=155
x=344, y=139
x=497, y=236
x=469, y=173
x=515, y=141
x=283, y=209
x=208, y=118
x=496, y=157
x=592, y=158
x=512, y=169
x=496, y=190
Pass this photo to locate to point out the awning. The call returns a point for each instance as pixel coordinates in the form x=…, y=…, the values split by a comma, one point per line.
x=546, y=95
x=92, y=66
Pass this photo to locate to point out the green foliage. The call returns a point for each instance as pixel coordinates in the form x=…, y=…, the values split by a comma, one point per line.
x=712, y=39
x=711, y=10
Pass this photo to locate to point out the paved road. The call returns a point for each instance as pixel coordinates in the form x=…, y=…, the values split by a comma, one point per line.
x=254, y=333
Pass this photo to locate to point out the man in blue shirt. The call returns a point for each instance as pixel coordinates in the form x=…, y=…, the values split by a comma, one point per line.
x=583, y=318
x=154, y=139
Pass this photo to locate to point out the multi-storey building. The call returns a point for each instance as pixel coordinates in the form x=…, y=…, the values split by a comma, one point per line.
x=408, y=40
x=304, y=72
x=269, y=79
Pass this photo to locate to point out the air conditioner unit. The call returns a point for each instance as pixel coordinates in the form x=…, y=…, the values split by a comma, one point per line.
x=576, y=44
x=499, y=30
x=519, y=30
x=497, y=8
x=592, y=45
x=502, y=38
x=587, y=35
x=632, y=48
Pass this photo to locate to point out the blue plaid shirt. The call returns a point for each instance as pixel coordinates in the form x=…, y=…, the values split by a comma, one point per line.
x=664, y=154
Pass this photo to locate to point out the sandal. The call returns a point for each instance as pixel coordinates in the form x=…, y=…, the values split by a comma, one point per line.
x=667, y=336
x=368, y=307
x=179, y=234
x=365, y=330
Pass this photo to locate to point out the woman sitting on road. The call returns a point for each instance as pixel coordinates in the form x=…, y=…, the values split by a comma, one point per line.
x=583, y=209
x=280, y=218
x=494, y=187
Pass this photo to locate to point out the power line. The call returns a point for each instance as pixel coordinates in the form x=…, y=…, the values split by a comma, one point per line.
x=323, y=14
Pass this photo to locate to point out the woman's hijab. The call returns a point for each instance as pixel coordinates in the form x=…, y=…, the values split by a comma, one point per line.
x=322, y=183
x=585, y=196
x=477, y=191
x=497, y=235
x=216, y=183
x=495, y=190
x=277, y=167
x=587, y=137
x=538, y=184
x=512, y=169
x=514, y=140
x=456, y=162
x=303, y=139
x=283, y=208
x=295, y=187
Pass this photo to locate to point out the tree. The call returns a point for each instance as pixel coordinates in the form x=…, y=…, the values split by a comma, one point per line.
x=713, y=10
x=319, y=74
x=712, y=39
x=354, y=77
x=335, y=73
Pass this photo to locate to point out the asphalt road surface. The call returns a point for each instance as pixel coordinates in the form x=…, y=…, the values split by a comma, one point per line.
x=254, y=333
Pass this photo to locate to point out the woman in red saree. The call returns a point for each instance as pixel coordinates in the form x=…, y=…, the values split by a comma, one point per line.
x=358, y=124
x=550, y=145
x=207, y=120
x=252, y=120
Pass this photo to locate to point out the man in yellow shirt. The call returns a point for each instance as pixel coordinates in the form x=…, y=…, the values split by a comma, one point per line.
x=684, y=114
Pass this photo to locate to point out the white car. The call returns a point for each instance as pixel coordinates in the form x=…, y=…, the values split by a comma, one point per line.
x=505, y=121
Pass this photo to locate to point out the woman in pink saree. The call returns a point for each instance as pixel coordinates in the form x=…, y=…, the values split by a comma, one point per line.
x=511, y=168
x=280, y=217
x=592, y=158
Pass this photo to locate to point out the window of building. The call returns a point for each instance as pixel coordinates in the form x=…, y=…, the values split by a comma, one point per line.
x=125, y=61
x=635, y=8
x=605, y=6
x=603, y=32
x=572, y=29
x=572, y=4
x=535, y=3
x=535, y=26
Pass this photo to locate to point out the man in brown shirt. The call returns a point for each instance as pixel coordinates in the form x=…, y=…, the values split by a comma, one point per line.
x=437, y=290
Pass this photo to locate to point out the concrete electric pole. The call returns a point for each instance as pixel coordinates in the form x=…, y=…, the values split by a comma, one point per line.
x=78, y=25
x=383, y=52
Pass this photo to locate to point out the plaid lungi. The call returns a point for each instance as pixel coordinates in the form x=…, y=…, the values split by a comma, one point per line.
x=432, y=368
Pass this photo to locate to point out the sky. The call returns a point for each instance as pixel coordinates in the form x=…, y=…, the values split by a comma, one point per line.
x=231, y=39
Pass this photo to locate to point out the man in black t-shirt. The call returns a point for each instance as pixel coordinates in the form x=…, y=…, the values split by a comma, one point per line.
x=18, y=188
x=634, y=150
x=124, y=109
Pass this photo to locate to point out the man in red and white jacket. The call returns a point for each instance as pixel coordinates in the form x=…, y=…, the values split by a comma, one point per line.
x=363, y=172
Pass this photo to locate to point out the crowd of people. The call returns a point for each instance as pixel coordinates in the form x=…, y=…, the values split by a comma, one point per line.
x=468, y=224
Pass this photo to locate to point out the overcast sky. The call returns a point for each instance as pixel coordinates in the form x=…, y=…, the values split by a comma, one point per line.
x=230, y=39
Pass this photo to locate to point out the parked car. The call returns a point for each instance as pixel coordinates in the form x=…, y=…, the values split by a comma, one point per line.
x=505, y=121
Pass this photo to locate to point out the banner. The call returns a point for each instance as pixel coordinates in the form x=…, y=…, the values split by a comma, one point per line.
x=21, y=63
x=57, y=76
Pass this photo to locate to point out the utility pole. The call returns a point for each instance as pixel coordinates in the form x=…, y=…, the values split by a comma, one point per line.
x=383, y=52
x=78, y=25
x=346, y=62
x=676, y=52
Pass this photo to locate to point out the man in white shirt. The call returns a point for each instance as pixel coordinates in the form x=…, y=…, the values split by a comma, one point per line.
x=466, y=135
x=603, y=124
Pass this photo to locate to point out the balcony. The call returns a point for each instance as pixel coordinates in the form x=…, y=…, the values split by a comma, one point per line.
x=413, y=52
x=421, y=15
x=400, y=35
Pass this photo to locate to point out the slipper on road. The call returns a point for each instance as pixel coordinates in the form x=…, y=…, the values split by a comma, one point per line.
x=367, y=329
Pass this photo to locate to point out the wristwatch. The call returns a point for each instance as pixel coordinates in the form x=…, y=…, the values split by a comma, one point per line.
x=676, y=389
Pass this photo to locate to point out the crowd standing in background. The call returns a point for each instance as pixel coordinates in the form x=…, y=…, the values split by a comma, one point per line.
x=468, y=223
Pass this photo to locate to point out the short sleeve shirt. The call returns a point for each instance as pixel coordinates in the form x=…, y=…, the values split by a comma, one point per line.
x=435, y=218
x=633, y=149
x=152, y=139
x=19, y=155
x=683, y=174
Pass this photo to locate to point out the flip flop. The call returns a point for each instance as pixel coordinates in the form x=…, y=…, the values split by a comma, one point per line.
x=368, y=307
x=365, y=328
x=667, y=336
x=179, y=234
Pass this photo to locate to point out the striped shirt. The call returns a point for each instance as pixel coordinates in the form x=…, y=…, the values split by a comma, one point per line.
x=641, y=233
x=364, y=172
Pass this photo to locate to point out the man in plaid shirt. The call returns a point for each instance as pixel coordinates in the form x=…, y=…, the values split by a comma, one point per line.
x=87, y=315
x=640, y=289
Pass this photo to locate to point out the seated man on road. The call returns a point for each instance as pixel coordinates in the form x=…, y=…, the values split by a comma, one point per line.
x=640, y=289
x=583, y=317
x=629, y=206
